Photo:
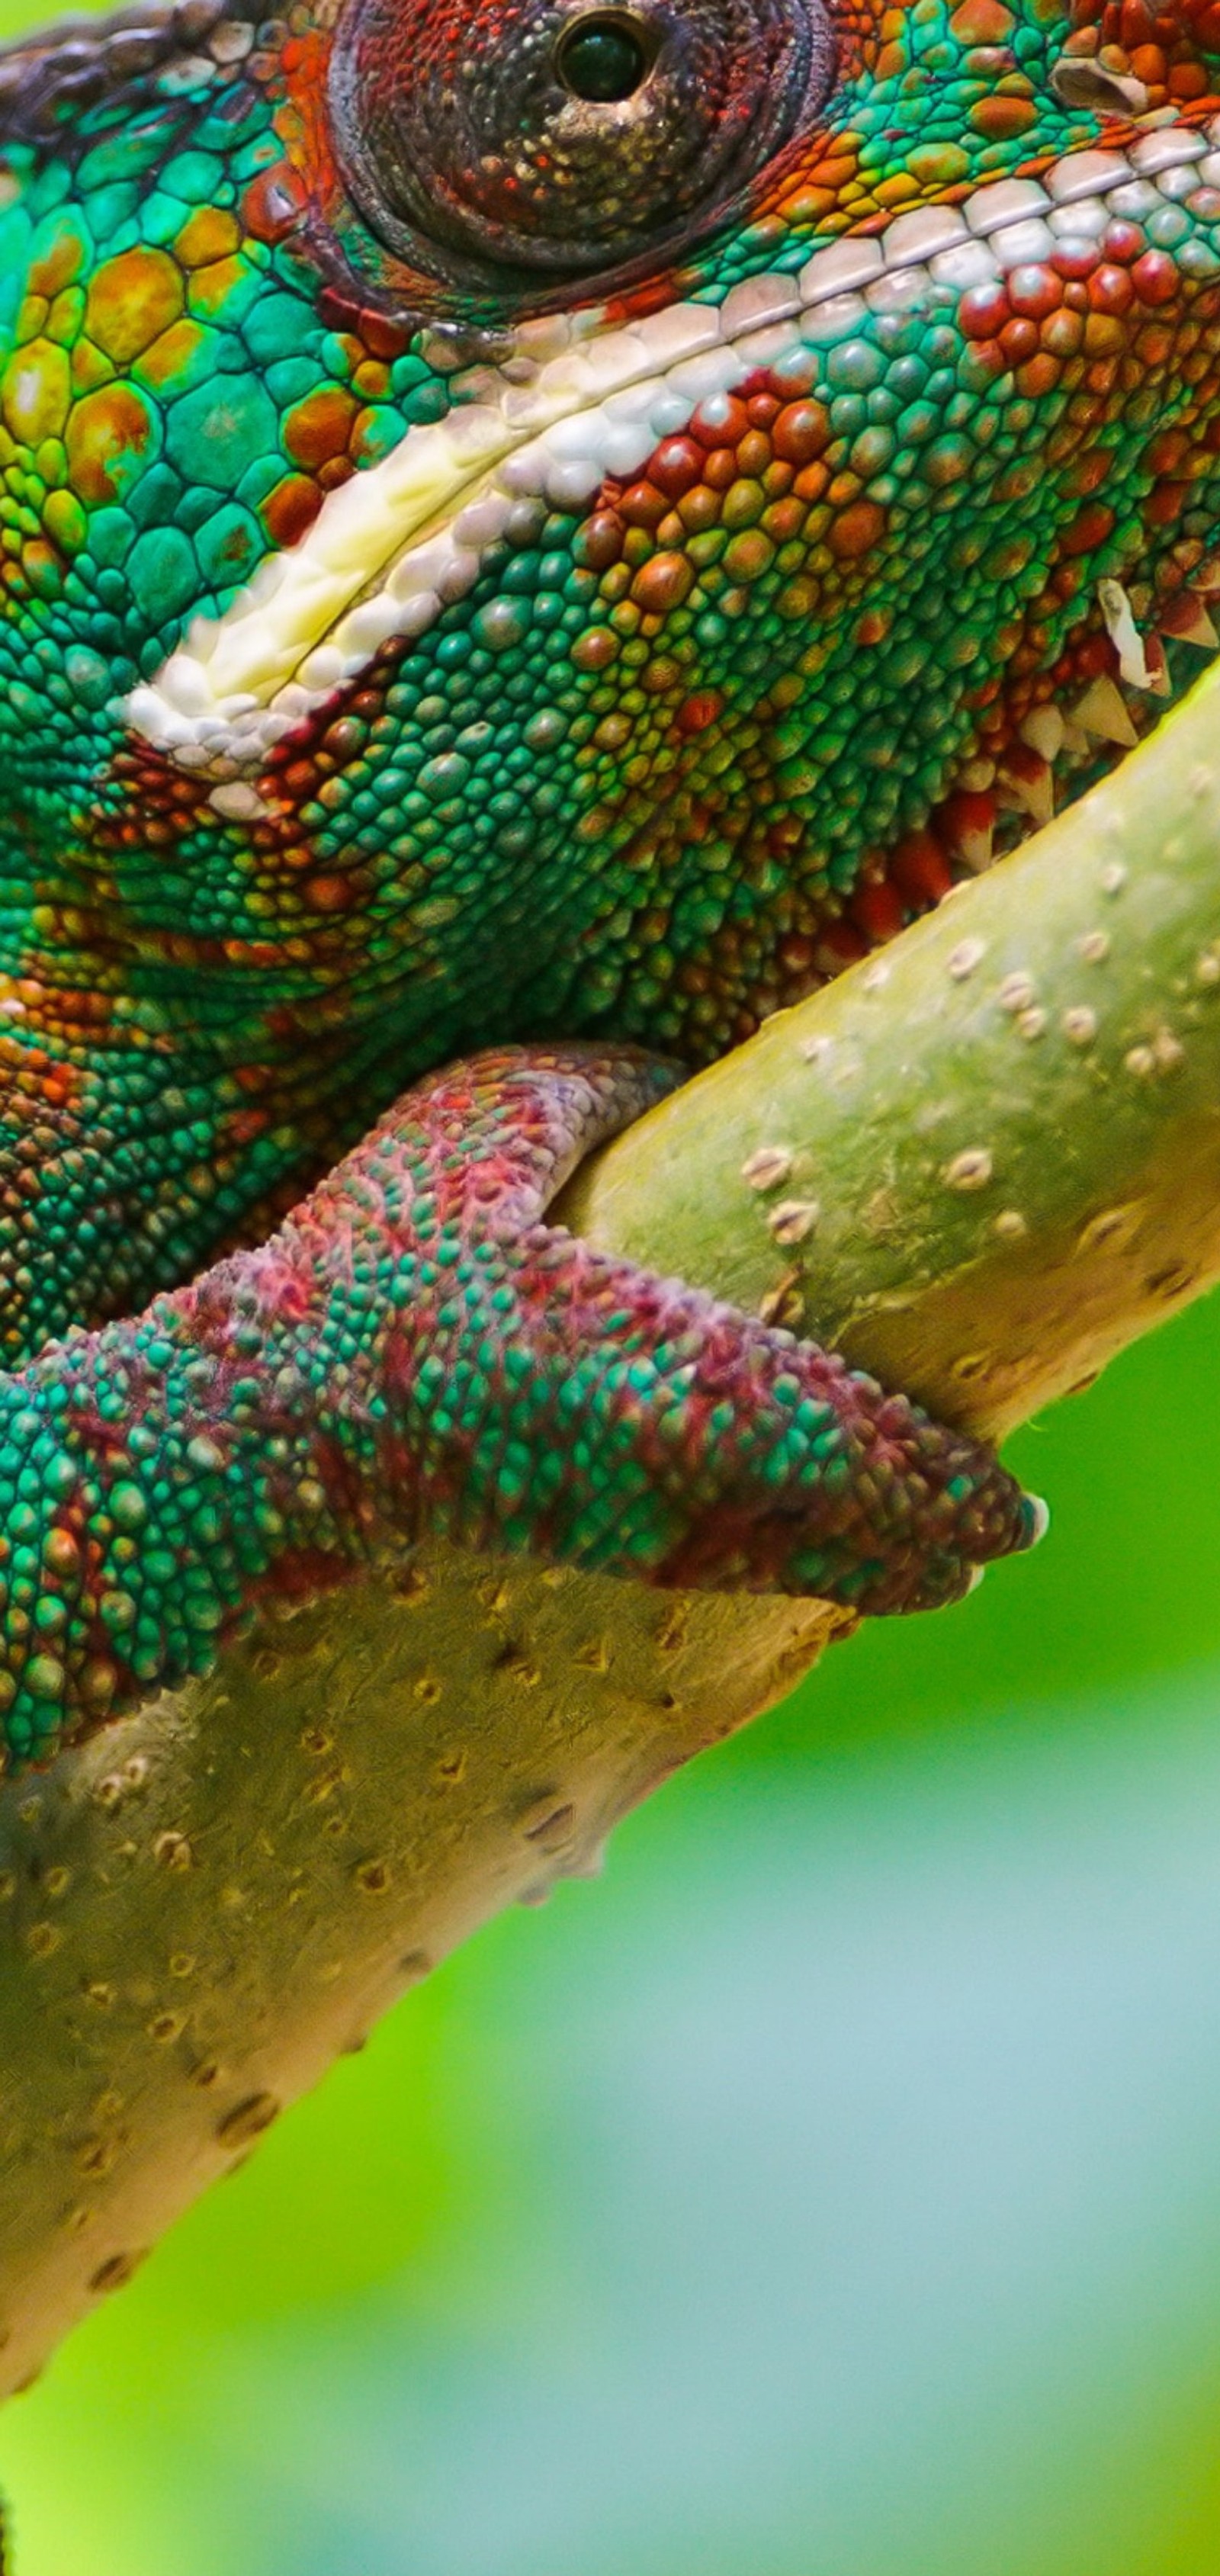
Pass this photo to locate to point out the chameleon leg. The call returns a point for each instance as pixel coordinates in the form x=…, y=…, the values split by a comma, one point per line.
x=416, y=1350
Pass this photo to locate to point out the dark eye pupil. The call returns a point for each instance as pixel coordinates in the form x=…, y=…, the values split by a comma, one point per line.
x=602, y=59
x=501, y=143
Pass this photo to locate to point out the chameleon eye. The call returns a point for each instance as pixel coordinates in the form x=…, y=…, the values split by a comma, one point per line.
x=551, y=138
x=602, y=58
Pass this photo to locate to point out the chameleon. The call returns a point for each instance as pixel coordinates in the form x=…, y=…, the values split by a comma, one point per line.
x=532, y=533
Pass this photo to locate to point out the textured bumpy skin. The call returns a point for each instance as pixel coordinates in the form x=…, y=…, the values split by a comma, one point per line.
x=308, y=1404
x=523, y=522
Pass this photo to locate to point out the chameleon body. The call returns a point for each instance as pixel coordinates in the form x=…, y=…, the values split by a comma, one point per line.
x=548, y=529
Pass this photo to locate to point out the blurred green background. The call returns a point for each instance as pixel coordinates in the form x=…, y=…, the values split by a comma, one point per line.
x=832, y=2190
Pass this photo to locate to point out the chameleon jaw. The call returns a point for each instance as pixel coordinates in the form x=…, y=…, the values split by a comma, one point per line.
x=400, y=542
x=1001, y=800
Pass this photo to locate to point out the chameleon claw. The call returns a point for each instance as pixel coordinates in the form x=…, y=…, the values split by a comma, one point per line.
x=1034, y=1519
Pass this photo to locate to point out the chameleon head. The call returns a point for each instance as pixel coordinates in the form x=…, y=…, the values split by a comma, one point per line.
x=543, y=514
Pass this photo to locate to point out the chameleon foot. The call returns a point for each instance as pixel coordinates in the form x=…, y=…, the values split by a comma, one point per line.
x=417, y=1351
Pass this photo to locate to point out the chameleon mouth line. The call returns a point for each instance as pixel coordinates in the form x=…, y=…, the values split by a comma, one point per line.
x=999, y=802
x=397, y=544
x=1005, y=802
x=1003, y=795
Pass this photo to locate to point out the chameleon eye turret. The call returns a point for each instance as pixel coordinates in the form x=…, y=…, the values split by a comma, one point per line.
x=542, y=138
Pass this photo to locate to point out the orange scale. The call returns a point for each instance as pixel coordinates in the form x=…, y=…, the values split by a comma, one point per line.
x=982, y=22
x=1022, y=763
x=1102, y=375
x=878, y=911
x=1165, y=503
x=1156, y=278
x=1166, y=452
x=1019, y=340
x=643, y=506
x=1062, y=335
x=800, y=433
x=836, y=172
x=1074, y=262
x=320, y=427
x=1104, y=339
x=839, y=946
x=1111, y=289
x=843, y=489
x=1035, y=292
x=720, y=469
x=724, y=428
x=783, y=520
x=291, y=508
x=1148, y=64
x=1091, y=658
x=984, y=310
x=599, y=544
x=699, y=510
x=964, y=825
x=1039, y=377
x=919, y=868
x=1003, y=120
x=857, y=531
x=754, y=454
x=807, y=206
x=676, y=466
x=987, y=359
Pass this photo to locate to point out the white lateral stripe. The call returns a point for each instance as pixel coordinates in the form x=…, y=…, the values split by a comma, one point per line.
x=391, y=548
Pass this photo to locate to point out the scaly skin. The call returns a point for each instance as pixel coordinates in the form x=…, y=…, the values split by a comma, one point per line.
x=644, y=621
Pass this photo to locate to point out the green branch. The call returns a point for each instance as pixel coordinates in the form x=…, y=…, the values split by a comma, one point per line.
x=988, y=1156
x=980, y=1162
